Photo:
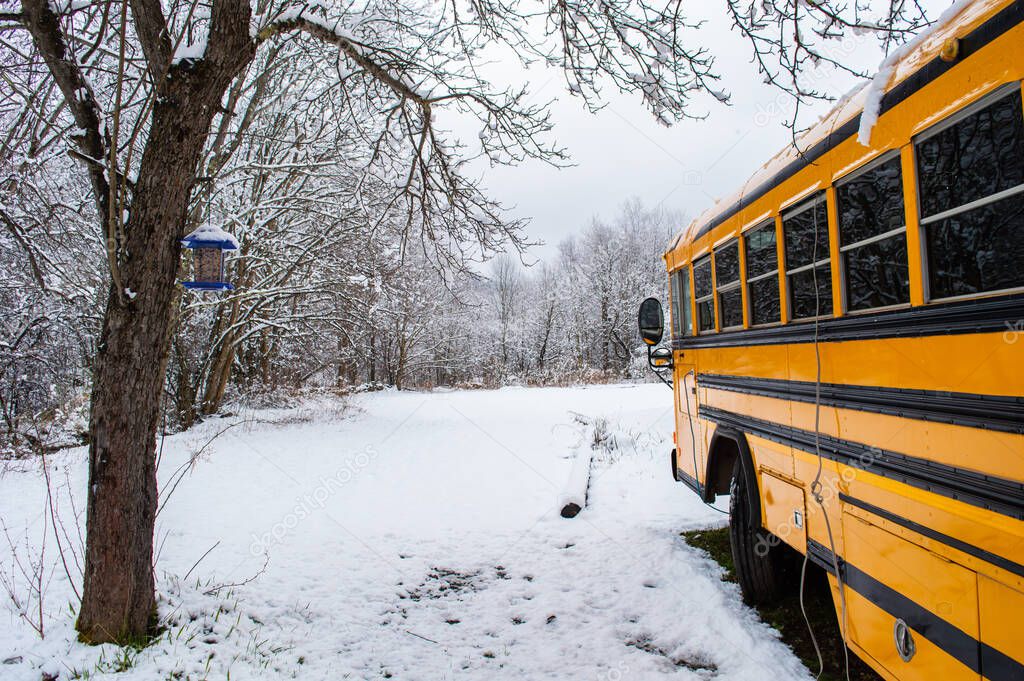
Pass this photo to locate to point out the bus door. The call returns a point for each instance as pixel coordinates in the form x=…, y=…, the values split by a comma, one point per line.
x=689, y=452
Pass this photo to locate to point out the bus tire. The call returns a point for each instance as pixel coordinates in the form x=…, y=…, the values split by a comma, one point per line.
x=762, y=563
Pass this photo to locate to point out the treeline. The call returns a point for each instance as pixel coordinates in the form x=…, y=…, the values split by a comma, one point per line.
x=571, y=318
x=321, y=304
x=368, y=317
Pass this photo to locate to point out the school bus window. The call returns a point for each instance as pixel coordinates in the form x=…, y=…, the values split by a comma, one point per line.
x=873, y=237
x=727, y=279
x=682, y=321
x=762, y=275
x=676, y=320
x=684, y=301
x=971, y=182
x=805, y=232
x=705, y=295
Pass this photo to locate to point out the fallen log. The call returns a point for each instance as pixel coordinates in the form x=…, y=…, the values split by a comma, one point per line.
x=574, y=495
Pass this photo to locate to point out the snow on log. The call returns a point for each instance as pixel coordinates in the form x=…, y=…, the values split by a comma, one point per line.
x=594, y=436
x=574, y=495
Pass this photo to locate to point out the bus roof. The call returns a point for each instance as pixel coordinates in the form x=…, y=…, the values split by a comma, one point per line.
x=899, y=66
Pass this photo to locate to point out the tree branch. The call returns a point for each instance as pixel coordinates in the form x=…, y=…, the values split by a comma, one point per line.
x=351, y=49
x=44, y=26
x=151, y=26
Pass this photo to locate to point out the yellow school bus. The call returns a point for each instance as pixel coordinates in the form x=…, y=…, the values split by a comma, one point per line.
x=847, y=353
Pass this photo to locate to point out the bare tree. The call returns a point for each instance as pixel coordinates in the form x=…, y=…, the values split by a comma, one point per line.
x=506, y=279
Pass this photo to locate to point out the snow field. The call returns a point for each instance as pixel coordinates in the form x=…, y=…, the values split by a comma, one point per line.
x=415, y=536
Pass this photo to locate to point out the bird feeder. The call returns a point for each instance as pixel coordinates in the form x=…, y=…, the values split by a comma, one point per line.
x=209, y=243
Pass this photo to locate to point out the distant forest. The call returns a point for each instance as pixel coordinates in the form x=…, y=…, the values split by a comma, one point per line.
x=321, y=305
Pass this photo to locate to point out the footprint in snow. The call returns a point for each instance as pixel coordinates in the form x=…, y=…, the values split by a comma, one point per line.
x=695, y=663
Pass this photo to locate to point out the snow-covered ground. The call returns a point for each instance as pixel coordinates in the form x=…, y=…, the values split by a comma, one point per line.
x=410, y=536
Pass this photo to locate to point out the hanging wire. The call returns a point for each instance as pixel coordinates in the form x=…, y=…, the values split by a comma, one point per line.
x=816, y=485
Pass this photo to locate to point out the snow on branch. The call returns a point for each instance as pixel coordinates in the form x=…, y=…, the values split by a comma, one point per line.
x=797, y=46
x=331, y=32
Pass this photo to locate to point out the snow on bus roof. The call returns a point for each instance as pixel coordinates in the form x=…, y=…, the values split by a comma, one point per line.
x=864, y=100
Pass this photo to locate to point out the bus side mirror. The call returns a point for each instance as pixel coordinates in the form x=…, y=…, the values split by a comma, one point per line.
x=651, y=321
x=661, y=358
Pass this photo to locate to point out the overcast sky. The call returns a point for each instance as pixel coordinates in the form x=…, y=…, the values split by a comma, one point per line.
x=622, y=152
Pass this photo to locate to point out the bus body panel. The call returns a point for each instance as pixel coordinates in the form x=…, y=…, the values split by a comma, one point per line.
x=930, y=589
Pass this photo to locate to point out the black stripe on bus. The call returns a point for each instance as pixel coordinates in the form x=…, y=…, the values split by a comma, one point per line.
x=991, y=412
x=954, y=641
x=977, y=655
x=690, y=481
x=983, y=315
x=1007, y=19
x=822, y=556
x=969, y=549
x=970, y=487
x=998, y=666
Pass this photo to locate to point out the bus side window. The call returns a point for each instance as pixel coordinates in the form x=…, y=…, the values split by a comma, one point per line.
x=727, y=279
x=682, y=317
x=705, y=295
x=673, y=281
x=971, y=181
x=873, y=237
x=805, y=230
x=762, y=274
x=684, y=301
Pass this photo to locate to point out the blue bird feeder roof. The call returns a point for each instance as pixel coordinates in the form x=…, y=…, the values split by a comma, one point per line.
x=209, y=236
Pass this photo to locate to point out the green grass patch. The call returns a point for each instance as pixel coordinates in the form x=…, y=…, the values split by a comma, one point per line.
x=786, y=617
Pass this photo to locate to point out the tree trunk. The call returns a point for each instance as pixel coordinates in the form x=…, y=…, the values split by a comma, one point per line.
x=220, y=372
x=403, y=344
x=266, y=353
x=373, y=358
x=186, y=390
x=118, y=599
x=605, y=359
x=217, y=381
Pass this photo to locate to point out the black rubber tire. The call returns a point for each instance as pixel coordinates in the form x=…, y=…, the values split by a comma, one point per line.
x=764, y=565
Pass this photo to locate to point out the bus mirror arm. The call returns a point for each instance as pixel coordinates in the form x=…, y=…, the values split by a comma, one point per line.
x=658, y=360
x=662, y=355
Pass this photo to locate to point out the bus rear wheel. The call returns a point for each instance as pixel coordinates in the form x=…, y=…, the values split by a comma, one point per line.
x=764, y=565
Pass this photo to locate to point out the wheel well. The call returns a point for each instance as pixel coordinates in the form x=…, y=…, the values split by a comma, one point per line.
x=727, y=447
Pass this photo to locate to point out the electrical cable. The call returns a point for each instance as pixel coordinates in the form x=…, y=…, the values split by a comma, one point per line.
x=816, y=485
